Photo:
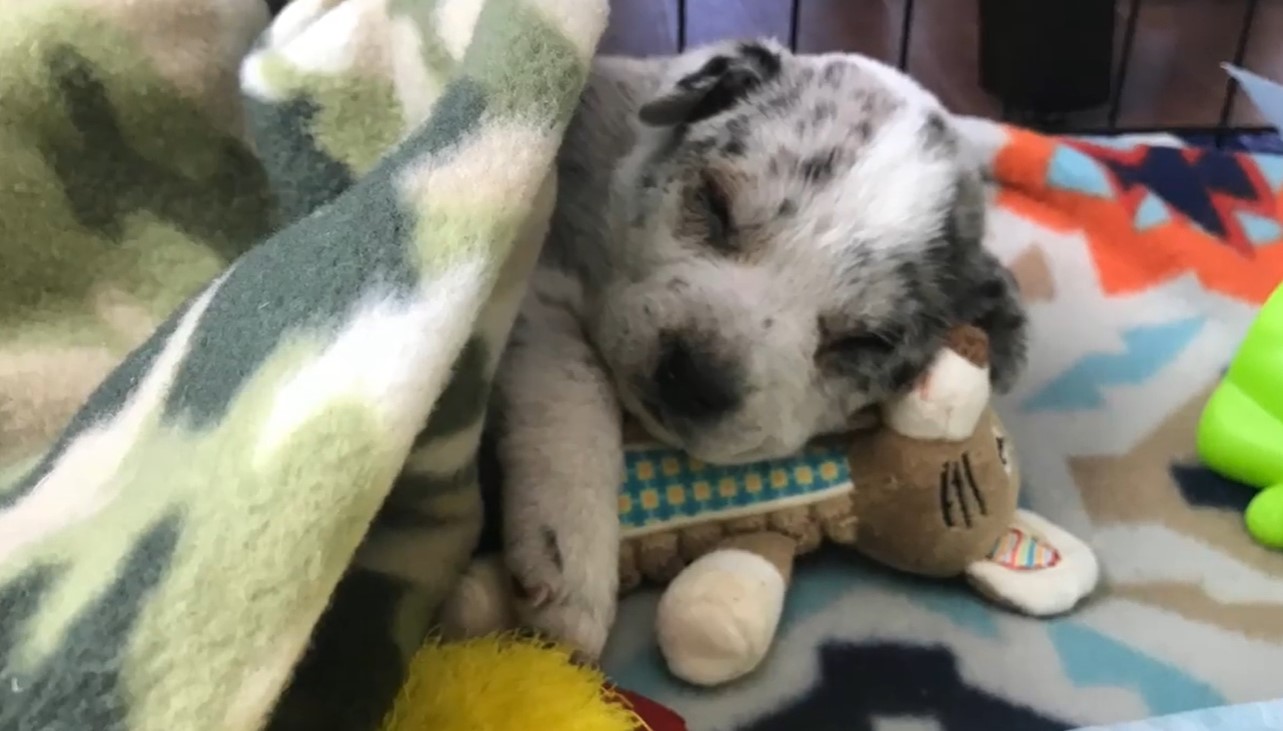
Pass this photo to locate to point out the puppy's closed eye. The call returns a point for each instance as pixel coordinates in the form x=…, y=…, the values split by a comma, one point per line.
x=853, y=343
x=711, y=207
x=886, y=356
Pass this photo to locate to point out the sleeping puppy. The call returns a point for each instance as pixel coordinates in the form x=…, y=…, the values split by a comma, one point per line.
x=749, y=248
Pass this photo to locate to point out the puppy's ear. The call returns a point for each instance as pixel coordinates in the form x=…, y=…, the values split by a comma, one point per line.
x=993, y=304
x=721, y=83
x=987, y=295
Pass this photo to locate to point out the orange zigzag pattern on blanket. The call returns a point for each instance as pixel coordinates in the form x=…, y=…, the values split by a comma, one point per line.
x=1128, y=260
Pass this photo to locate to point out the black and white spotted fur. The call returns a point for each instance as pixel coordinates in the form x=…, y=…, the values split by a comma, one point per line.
x=749, y=248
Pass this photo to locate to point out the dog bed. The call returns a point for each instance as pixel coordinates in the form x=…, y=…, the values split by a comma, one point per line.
x=1142, y=261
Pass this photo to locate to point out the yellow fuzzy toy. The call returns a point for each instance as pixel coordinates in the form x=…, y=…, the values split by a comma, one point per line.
x=504, y=683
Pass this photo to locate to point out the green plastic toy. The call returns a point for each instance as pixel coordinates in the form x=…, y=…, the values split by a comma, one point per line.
x=1240, y=434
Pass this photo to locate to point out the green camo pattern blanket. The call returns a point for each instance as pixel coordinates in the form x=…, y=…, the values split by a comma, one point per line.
x=253, y=284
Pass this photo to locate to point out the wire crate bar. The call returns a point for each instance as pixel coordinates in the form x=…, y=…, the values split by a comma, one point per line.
x=1219, y=132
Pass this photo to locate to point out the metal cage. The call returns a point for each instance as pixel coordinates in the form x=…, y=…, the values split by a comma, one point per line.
x=1220, y=132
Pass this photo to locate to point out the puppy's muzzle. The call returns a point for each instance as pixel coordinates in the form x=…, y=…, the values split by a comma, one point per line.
x=691, y=386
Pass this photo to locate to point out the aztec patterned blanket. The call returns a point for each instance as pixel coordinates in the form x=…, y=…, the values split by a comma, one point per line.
x=262, y=321
x=1142, y=264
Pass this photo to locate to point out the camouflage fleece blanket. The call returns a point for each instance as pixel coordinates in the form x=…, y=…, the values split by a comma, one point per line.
x=245, y=345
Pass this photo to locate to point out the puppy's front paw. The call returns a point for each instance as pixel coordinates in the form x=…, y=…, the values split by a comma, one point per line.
x=567, y=597
x=479, y=603
x=571, y=620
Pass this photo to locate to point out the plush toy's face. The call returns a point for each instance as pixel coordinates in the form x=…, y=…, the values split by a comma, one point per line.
x=934, y=506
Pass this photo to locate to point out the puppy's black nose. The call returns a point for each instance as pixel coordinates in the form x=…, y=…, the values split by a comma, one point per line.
x=690, y=385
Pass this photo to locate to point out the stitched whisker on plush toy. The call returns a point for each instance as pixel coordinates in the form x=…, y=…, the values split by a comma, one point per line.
x=957, y=486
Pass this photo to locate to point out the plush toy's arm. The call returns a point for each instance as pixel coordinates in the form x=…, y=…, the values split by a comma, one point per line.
x=560, y=447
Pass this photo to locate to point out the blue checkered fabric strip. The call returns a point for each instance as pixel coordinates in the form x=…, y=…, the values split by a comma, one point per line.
x=664, y=486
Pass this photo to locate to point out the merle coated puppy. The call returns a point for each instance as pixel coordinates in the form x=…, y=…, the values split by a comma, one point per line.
x=749, y=248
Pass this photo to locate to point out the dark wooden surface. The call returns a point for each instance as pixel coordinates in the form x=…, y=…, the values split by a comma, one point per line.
x=1174, y=78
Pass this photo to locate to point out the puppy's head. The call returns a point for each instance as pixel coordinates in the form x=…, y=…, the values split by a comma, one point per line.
x=795, y=237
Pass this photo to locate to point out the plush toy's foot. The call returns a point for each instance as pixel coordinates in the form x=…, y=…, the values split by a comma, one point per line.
x=717, y=619
x=1036, y=568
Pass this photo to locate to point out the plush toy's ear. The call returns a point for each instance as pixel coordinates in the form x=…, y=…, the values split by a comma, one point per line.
x=724, y=80
x=947, y=401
